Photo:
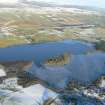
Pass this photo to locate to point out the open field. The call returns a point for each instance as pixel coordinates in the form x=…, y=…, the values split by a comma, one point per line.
x=29, y=26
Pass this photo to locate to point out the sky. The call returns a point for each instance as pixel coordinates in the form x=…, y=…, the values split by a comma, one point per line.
x=8, y=1
x=95, y=3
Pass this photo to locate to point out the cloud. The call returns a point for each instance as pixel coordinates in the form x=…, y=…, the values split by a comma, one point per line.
x=8, y=1
x=95, y=3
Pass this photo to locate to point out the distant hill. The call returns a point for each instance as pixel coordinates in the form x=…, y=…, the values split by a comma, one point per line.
x=35, y=4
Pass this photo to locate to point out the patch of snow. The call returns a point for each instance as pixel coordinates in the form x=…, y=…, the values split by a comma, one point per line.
x=32, y=95
x=10, y=83
x=102, y=84
x=38, y=91
x=2, y=73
